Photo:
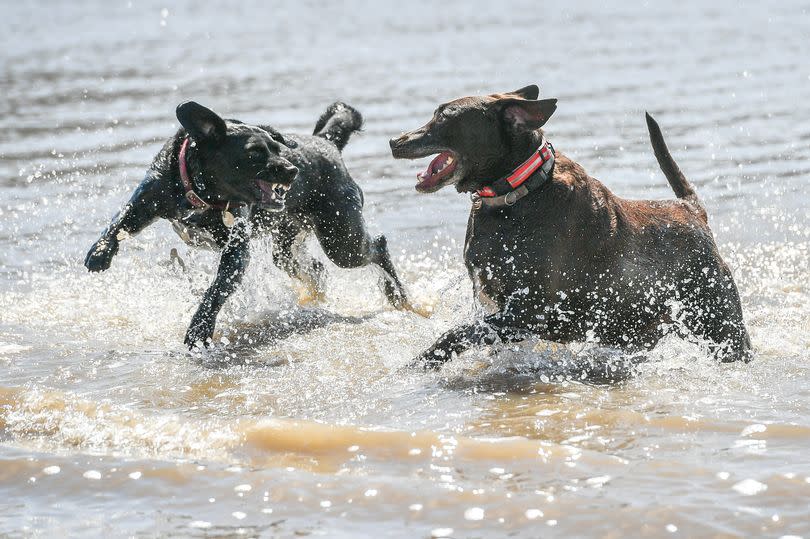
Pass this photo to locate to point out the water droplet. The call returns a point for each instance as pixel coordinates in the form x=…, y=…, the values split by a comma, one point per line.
x=532, y=514
x=239, y=515
x=92, y=474
x=370, y=492
x=598, y=481
x=750, y=487
x=753, y=429
x=135, y=475
x=201, y=524
x=243, y=488
x=441, y=532
x=51, y=470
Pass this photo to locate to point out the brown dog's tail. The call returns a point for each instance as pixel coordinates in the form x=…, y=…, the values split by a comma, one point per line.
x=676, y=179
x=338, y=123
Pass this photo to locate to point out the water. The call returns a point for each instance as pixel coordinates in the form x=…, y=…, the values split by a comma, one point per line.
x=304, y=424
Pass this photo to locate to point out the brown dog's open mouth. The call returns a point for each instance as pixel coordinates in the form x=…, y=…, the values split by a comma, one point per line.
x=272, y=194
x=440, y=168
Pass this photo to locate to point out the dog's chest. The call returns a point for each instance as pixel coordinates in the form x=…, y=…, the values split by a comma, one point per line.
x=499, y=258
x=197, y=229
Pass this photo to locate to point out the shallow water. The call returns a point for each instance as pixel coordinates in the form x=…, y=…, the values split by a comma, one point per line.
x=300, y=422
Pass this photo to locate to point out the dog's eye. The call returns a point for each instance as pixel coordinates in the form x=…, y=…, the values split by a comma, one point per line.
x=256, y=154
x=444, y=114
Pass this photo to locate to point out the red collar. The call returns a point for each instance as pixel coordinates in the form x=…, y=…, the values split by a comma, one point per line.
x=191, y=195
x=508, y=190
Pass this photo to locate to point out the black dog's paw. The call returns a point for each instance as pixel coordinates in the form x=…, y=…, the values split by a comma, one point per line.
x=101, y=254
x=200, y=332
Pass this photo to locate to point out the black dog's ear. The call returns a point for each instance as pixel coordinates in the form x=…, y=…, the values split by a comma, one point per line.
x=200, y=122
x=527, y=92
x=529, y=114
x=278, y=137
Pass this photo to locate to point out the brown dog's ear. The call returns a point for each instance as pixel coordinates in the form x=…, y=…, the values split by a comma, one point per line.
x=529, y=114
x=201, y=123
x=527, y=92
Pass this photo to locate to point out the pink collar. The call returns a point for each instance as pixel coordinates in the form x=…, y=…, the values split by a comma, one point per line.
x=195, y=199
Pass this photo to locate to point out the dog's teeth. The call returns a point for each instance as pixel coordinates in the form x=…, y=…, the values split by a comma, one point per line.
x=449, y=160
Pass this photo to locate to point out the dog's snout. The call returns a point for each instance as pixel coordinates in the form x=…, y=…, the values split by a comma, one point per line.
x=396, y=141
x=291, y=171
x=282, y=170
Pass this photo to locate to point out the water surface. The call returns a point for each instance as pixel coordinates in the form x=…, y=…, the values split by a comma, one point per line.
x=300, y=421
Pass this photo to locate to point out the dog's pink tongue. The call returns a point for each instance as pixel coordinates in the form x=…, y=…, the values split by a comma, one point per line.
x=267, y=191
x=426, y=180
x=429, y=178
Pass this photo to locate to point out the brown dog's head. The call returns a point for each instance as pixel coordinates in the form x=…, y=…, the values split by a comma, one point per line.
x=478, y=139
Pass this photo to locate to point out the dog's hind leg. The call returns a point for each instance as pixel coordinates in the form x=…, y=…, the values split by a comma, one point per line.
x=392, y=286
x=341, y=231
x=289, y=255
x=715, y=314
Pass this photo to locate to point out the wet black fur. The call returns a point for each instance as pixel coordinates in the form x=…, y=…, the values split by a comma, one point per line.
x=323, y=199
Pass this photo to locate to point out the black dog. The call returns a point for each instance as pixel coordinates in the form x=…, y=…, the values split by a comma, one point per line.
x=221, y=181
x=561, y=256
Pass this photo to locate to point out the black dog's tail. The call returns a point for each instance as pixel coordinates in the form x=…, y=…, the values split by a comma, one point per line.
x=678, y=182
x=338, y=123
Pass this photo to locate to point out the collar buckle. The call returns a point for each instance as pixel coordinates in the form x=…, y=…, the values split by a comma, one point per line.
x=476, y=201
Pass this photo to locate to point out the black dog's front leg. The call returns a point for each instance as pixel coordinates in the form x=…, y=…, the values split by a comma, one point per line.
x=232, y=265
x=461, y=338
x=147, y=203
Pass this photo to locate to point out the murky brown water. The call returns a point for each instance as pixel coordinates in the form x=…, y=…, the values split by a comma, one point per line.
x=108, y=427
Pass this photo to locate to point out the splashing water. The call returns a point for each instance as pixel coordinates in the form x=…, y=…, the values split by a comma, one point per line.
x=301, y=419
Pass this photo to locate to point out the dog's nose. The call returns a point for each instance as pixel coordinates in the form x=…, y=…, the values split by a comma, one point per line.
x=396, y=141
x=291, y=171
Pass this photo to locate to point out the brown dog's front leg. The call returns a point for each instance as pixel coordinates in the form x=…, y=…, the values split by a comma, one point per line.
x=457, y=340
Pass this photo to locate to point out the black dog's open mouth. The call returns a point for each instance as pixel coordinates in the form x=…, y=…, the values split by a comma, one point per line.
x=440, y=168
x=272, y=194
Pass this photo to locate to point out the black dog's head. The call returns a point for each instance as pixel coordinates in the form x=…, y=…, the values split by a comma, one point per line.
x=237, y=162
x=477, y=138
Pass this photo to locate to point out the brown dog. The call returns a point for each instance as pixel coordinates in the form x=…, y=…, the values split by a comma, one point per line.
x=562, y=257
